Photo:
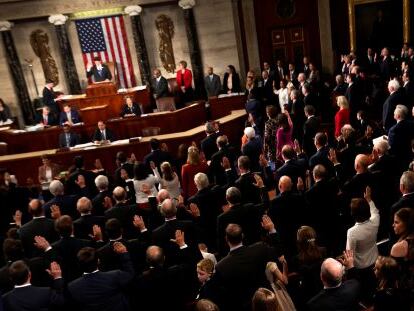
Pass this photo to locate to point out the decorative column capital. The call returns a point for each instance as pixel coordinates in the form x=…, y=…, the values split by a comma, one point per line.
x=133, y=10
x=5, y=25
x=58, y=19
x=186, y=4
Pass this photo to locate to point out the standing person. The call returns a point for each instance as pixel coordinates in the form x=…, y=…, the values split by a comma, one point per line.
x=184, y=83
x=49, y=98
x=188, y=171
x=284, y=133
x=231, y=81
x=342, y=116
x=100, y=72
x=159, y=84
x=269, y=142
x=212, y=83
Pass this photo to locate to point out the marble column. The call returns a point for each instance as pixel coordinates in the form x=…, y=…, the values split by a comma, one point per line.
x=134, y=11
x=17, y=72
x=69, y=67
x=194, y=47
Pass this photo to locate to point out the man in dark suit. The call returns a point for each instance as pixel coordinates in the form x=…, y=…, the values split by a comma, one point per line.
x=296, y=109
x=212, y=83
x=99, y=201
x=39, y=225
x=248, y=216
x=68, y=138
x=395, y=98
x=253, y=148
x=69, y=115
x=103, y=134
x=217, y=173
x=310, y=128
x=208, y=144
x=47, y=118
x=337, y=294
x=407, y=191
x=157, y=155
x=159, y=85
x=386, y=65
x=100, y=72
x=293, y=167
x=400, y=137
x=409, y=90
x=266, y=89
x=101, y=290
x=83, y=226
x=322, y=154
x=241, y=272
x=288, y=213
x=66, y=203
x=24, y=296
x=305, y=66
x=49, y=98
x=354, y=96
x=292, y=74
x=130, y=109
x=80, y=182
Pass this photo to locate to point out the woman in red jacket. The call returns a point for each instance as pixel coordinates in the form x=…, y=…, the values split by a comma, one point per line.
x=184, y=83
x=342, y=116
x=188, y=171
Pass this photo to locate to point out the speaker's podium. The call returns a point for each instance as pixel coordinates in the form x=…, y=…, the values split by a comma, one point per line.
x=101, y=89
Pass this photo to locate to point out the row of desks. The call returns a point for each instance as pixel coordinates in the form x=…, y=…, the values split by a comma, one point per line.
x=26, y=165
x=168, y=122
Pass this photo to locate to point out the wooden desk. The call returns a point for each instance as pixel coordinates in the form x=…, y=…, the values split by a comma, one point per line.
x=114, y=103
x=169, y=122
x=219, y=107
x=26, y=165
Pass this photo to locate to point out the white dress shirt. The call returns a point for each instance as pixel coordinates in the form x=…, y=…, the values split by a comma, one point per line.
x=362, y=239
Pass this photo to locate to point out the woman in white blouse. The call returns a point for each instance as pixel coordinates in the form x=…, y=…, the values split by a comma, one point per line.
x=144, y=183
x=283, y=95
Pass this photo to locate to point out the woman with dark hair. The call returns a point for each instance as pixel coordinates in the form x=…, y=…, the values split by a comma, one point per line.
x=144, y=183
x=269, y=142
x=283, y=133
x=305, y=267
x=388, y=295
x=231, y=81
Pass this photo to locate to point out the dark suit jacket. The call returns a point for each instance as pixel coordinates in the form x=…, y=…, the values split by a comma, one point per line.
x=98, y=201
x=344, y=297
x=133, y=110
x=235, y=83
x=157, y=156
x=399, y=137
x=248, y=216
x=209, y=146
x=388, y=109
x=321, y=157
x=266, y=90
x=213, y=86
x=241, y=273
x=217, y=173
x=103, y=290
x=253, y=149
x=294, y=168
x=99, y=77
x=310, y=128
x=35, y=298
x=409, y=94
x=97, y=135
x=40, y=226
x=67, y=204
x=74, y=140
x=49, y=98
x=83, y=225
x=404, y=201
x=125, y=213
x=74, y=115
x=51, y=120
x=160, y=89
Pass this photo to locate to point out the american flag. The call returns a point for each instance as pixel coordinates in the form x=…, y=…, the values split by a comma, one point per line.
x=106, y=37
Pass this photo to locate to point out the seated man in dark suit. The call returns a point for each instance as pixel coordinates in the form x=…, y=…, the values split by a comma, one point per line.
x=100, y=72
x=24, y=296
x=97, y=290
x=208, y=144
x=242, y=271
x=69, y=115
x=39, y=225
x=103, y=134
x=337, y=294
x=130, y=109
x=68, y=139
x=46, y=118
x=159, y=85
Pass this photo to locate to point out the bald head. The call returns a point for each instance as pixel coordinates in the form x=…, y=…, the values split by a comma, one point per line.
x=162, y=195
x=168, y=208
x=35, y=208
x=361, y=163
x=331, y=272
x=155, y=256
x=119, y=194
x=285, y=184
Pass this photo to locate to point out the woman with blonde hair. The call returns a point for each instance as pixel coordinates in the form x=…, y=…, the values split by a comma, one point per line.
x=193, y=166
x=205, y=270
x=342, y=116
x=264, y=300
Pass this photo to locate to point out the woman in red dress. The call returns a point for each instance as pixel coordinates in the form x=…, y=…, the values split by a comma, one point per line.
x=188, y=171
x=342, y=116
x=184, y=83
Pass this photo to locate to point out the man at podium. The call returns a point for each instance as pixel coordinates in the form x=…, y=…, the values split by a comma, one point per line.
x=99, y=71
